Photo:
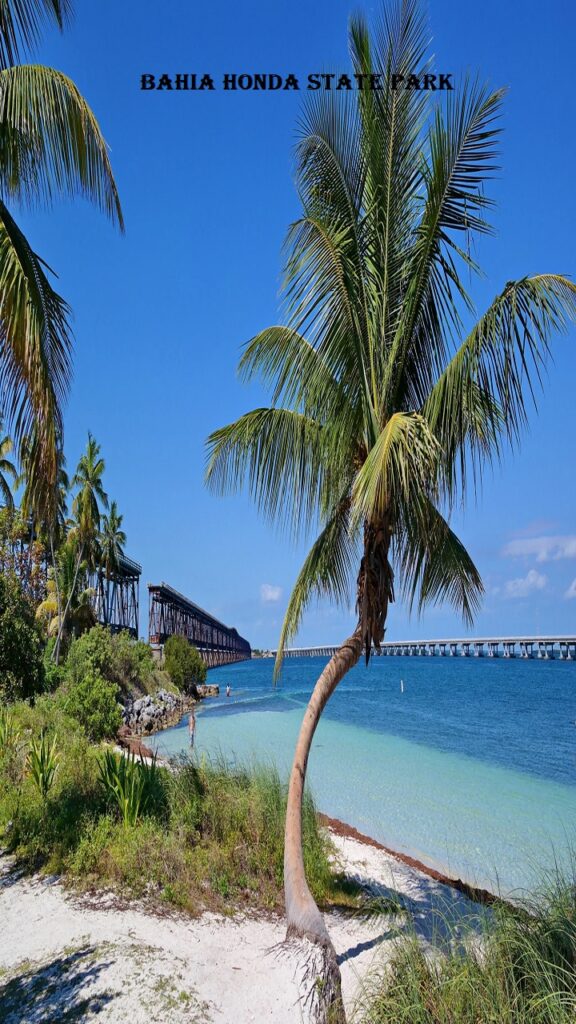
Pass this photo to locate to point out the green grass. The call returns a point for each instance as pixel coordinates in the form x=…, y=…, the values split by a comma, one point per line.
x=207, y=836
x=522, y=970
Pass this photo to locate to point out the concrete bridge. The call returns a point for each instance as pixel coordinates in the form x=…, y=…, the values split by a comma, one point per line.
x=547, y=647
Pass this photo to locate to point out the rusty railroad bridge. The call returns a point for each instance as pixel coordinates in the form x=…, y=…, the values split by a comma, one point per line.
x=173, y=614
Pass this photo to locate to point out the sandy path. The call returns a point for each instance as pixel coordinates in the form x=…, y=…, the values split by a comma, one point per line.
x=64, y=958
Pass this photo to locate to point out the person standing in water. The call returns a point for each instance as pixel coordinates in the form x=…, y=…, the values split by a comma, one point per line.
x=192, y=727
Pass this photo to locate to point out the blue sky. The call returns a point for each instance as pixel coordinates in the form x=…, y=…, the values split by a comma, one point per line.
x=160, y=314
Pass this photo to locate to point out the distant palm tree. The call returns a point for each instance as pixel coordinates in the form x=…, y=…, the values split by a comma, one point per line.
x=45, y=505
x=112, y=543
x=383, y=407
x=89, y=500
x=7, y=469
x=50, y=146
x=112, y=540
x=85, y=528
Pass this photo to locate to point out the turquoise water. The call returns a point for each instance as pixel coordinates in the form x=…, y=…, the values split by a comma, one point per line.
x=472, y=768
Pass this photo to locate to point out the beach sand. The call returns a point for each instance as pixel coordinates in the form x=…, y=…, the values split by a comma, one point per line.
x=65, y=956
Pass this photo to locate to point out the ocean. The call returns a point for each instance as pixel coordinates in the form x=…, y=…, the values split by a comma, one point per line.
x=468, y=764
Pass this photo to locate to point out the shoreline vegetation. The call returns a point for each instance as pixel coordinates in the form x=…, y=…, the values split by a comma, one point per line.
x=198, y=839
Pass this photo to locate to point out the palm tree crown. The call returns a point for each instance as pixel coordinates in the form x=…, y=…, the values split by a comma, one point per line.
x=112, y=540
x=381, y=406
x=88, y=500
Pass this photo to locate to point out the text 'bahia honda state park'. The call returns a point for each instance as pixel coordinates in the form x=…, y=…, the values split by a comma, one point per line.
x=267, y=82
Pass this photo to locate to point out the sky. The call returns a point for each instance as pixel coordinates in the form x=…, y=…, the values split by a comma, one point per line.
x=161, y=313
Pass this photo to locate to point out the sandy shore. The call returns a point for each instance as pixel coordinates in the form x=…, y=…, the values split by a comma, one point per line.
x=68, y=957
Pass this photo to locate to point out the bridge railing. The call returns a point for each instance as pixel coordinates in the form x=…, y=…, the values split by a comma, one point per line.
x=545, y=647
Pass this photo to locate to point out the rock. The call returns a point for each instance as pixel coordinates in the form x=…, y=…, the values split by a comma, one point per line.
x=151, y=713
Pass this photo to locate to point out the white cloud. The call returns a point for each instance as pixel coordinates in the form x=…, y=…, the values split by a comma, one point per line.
x=546, y=549
x=571, y=592
x=269, y=593
x=526, y=585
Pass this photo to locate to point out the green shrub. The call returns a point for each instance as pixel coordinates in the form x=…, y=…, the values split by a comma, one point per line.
x=53, y=674
x=93, y=701
x=12, y=758
x=21, y=672
x=37, y=837
x=117, y=657
x=91, y=652
x=183, y=663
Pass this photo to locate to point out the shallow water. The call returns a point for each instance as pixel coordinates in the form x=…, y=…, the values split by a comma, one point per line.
x=472, y=768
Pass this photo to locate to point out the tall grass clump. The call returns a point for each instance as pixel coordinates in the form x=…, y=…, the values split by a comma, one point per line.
x=235, y=816
x=522, y=970
x=42, y=762
x=9, y=732
x=128, y=783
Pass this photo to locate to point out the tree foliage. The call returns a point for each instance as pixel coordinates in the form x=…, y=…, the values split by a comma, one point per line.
x=183, y=663
x=51, y=147
x=116, y=656
x=21, y=671
x=93, y=701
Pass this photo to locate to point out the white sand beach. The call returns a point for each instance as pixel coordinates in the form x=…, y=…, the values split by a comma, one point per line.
x=70, y=957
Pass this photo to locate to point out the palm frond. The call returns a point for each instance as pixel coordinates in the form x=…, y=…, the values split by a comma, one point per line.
x=391, y=125
x=462, y=145
x=434, y=564
x=320, y=292
x=479, y=403
x=280, y=454
x=21, y=24
x=35, y=368
x=327, y=572
x=50, y=141
x=404, y=462
x=295, y=372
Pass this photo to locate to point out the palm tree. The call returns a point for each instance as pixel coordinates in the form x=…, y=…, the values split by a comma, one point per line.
x=112, y=542
x=45, y=504
x=66, y=586
x=385, y=408
x=88, y=500
x=7, y=468
x=51, y=146
x=85, y=529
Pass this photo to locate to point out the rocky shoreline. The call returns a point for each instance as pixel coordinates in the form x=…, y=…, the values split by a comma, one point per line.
x=151, y=713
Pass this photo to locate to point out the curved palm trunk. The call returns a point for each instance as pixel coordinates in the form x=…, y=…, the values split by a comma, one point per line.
x=303, y=916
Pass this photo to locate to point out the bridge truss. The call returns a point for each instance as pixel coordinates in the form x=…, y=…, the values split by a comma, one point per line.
x=116, y=596
x=172, y=614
